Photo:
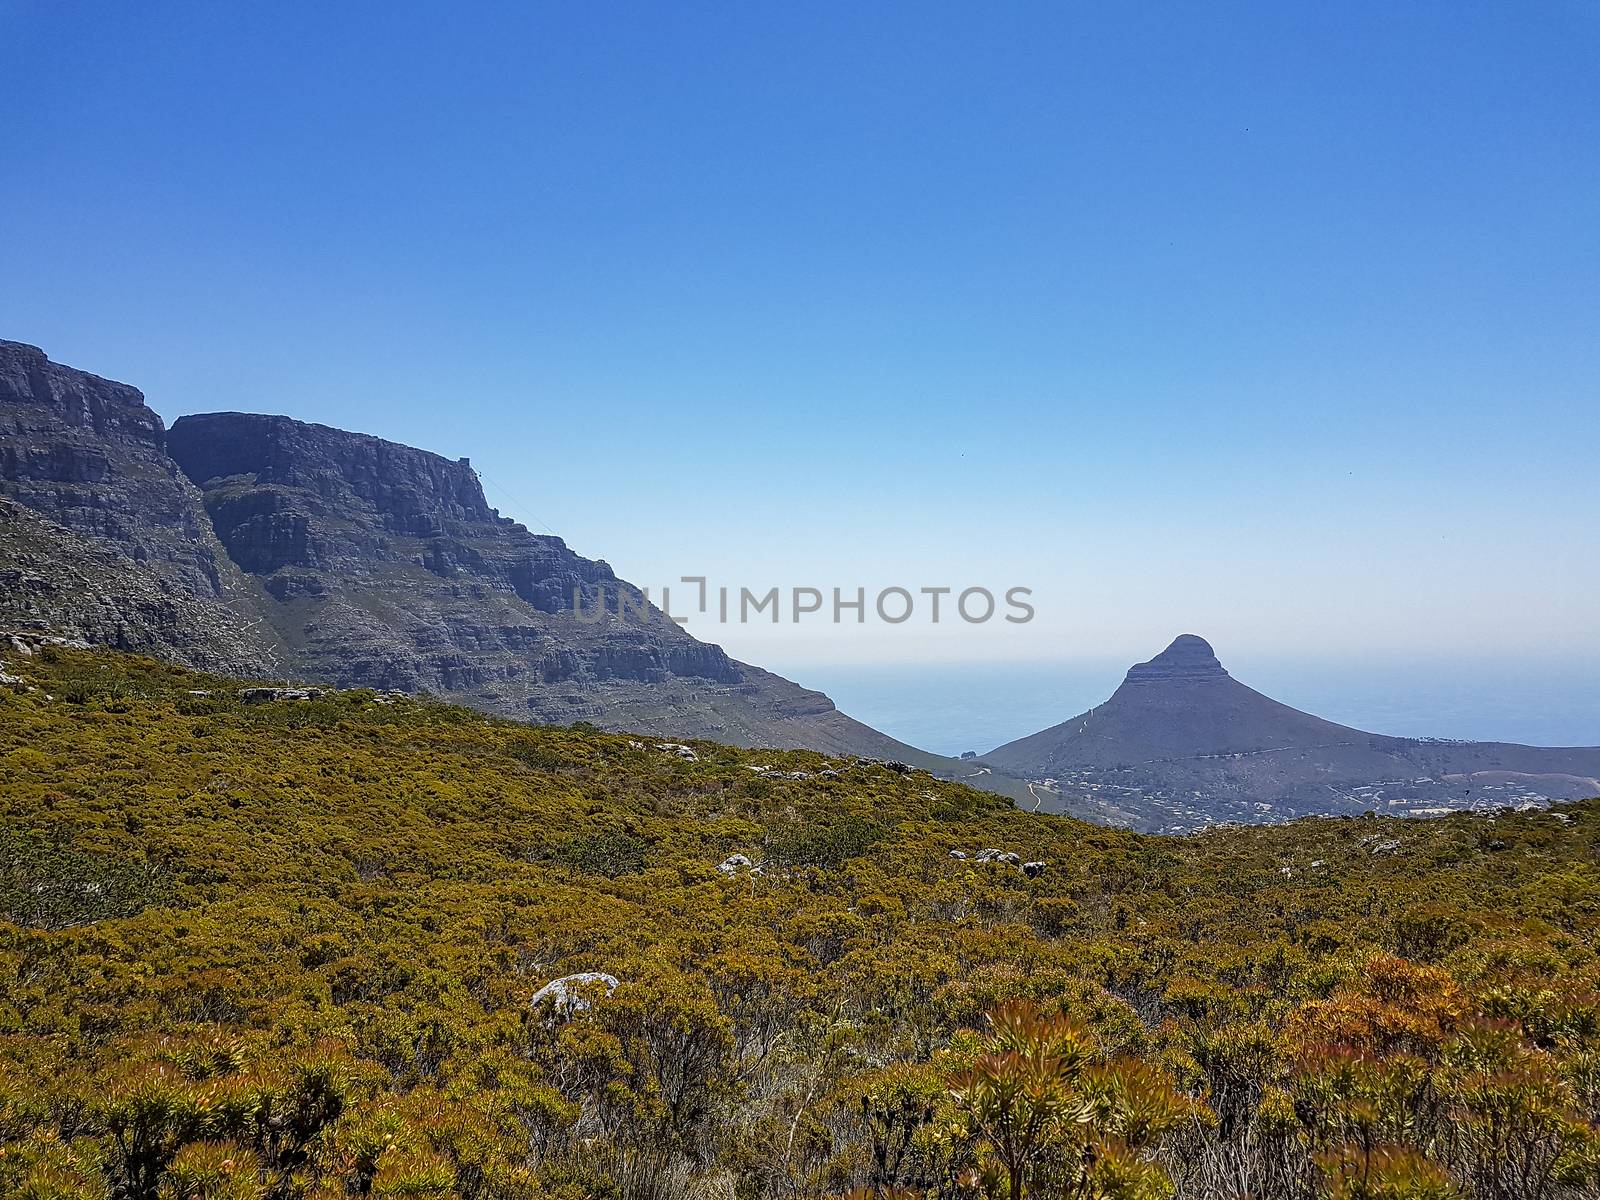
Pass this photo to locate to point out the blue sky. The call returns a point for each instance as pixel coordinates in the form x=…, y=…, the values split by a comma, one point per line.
x=1273, y=322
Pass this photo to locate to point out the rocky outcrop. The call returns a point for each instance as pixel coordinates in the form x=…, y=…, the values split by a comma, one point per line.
x=572, y=994
x=391, y=570
x=52, y=579
x=286, y=494
x=277, y=695
x=90, y=455
x=1189, y=659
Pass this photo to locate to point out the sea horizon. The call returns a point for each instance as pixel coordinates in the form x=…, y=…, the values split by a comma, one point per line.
x=950, y=708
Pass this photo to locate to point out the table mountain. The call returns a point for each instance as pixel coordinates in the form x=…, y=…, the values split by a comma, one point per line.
x=387, y=568
x=54, y=581
x=1183, y=744
x=264, y=546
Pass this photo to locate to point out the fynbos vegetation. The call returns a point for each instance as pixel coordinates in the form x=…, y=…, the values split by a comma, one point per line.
x=290, y=950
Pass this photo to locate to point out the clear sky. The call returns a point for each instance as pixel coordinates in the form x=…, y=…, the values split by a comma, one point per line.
x=1275, y=322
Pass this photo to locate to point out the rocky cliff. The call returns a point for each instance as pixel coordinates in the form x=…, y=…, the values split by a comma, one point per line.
x=55, y=581
x=340, y=558
x=90, y=454
x=390, y=569
x=125, y=532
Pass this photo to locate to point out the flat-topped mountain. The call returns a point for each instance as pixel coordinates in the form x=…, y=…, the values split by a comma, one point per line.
x=1181, y=743
x=386, y=567
x=264, y=546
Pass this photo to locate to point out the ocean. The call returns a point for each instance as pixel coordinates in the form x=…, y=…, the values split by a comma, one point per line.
x=950, y=708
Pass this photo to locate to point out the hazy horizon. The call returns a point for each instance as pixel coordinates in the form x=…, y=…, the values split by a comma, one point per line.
x=949, y=708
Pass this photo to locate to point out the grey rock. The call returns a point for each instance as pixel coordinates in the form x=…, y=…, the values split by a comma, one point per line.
x=567, y=995
x=124, y=555
x=268, y=695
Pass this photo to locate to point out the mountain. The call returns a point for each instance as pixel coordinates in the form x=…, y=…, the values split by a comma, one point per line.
x=105, y=539
x=384, y=566
x=267, y=547
x=1182, y=744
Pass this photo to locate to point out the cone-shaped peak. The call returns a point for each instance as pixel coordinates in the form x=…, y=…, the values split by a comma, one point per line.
x=1189, y=657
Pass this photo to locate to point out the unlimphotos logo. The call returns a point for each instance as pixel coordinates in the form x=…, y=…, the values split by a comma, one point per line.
x=743, y=605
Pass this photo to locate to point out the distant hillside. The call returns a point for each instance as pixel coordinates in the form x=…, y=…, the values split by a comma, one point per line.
x=1183, y=744
x=273, y=547
x=256, y=947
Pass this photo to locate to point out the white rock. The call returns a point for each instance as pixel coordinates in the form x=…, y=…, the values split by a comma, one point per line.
x=566, y=994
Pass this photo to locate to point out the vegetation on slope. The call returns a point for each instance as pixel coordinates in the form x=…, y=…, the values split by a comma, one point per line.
x=289, y=950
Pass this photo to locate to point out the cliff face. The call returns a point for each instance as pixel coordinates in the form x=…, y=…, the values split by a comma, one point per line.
x=124, y=553
x=293, y=502
x=58, y=582
x=263, y=546
x=90, y=455
x=397, y=490
x=391, y=569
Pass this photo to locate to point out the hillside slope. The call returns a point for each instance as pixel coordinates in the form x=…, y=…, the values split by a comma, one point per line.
x=292, y=948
